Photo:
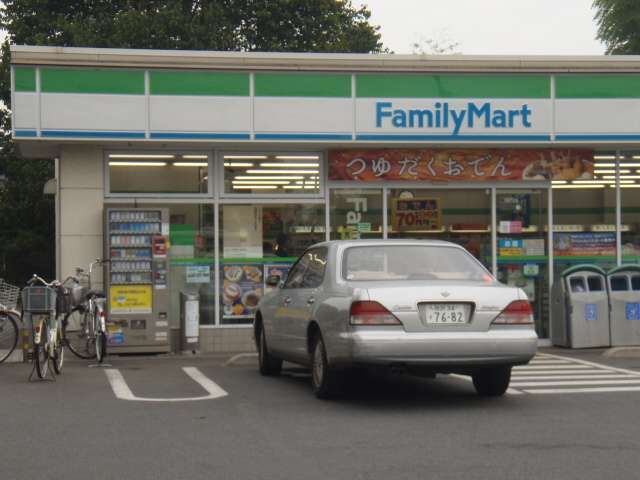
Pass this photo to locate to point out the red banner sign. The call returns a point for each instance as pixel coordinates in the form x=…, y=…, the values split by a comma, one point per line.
x=460, y=165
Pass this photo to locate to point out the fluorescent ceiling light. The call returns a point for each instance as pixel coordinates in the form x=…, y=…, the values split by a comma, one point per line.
x=245, y=157
x=604, y=157
x=624, y=165
x=281, y=171
x=255, y=187
x=137, y=164
x=623, y=177
x=266, y=177
x=195, y=157
x=297, y=157
x=138, y=155
x=604, y=165
x=238, y=164
x=610, y=171
x=258, y=182
x=577, y=186
x=293, y=187
x=288, y=165
x=190, y=164
x=592, y=182
x=308, y=187
x=558, y=182
x=635, y=185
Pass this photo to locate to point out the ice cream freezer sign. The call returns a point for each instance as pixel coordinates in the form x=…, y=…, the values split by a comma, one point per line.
x=482, y=165
x=131, y=299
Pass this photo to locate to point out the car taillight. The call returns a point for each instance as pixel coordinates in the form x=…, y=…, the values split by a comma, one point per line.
x=371, y=313
x=518, y=312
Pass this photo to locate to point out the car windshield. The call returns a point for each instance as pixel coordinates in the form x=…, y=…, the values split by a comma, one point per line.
x=411, y=262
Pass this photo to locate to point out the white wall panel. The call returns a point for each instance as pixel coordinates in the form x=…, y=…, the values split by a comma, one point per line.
x=25, y=110
x=594, y=116
x=69, y=111
x=303, y=115
x=184, y=113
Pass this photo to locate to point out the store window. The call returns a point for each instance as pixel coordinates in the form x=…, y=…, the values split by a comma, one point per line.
x=272, y=174
x=149, y=173
x=522, y=247
x=190, y=255
x=356, y=213
x=257, y=241
x=455, y=215
x=630, y=199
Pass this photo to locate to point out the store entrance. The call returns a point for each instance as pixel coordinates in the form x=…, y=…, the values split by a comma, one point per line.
x=455, y=215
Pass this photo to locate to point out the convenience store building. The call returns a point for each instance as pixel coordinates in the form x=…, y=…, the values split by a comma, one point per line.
x=229, y=164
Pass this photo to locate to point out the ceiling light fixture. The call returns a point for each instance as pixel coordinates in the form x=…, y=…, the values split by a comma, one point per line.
x=195, y=157
x=259, y=172
x=137, y=164
x=577, y=186
x=255, y=187
x=238, y=164
x=268, y=177
x=189, y=164
x=288, y=165
x=245, y=157
x=139, y=155
x=297, y=157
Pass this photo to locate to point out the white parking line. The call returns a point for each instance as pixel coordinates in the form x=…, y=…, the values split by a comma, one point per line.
x=584, y=390
x=604, y=376
x=122, y=391
x=576, y=382
x=548, y=367
x=515, y=373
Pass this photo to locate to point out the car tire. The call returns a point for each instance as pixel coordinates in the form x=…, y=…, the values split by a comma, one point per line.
x=268, y=364
x=325, y=380
x=492, y=382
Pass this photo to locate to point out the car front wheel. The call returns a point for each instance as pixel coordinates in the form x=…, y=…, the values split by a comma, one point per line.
x=492, y=382
x=268, y=364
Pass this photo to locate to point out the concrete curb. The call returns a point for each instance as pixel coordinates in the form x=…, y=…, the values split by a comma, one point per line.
x=622, y=352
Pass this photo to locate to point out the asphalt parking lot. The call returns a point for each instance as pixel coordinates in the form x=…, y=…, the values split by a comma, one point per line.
x=252, y=427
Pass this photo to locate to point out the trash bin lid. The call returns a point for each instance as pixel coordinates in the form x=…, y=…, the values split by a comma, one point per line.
x=584, y=268
x=624, y=268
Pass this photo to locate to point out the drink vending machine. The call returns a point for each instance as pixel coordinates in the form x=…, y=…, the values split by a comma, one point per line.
x=137, y=279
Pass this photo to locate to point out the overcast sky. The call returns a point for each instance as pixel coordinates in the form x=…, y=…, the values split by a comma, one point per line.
x=509, y=27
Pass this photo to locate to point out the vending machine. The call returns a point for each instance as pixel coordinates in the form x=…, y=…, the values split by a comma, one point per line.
x=137, y=279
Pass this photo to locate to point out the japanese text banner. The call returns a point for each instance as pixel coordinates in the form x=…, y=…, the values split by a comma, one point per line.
x=460, y=165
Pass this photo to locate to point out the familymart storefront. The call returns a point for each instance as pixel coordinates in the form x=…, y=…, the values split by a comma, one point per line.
x=204, y=172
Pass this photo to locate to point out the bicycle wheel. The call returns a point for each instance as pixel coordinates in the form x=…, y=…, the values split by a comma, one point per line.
x=8, y=335
x=101, y=346
x=58, y=353
x=41, y=352
x=78, y=333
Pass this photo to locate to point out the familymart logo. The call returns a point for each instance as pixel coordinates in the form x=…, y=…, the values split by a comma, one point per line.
x=444, y=115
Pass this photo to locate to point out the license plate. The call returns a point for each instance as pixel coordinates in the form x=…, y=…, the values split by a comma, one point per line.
x=445, y=313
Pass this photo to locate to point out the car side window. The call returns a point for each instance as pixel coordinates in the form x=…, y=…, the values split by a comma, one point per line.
x=314, y=275
x=296, y=274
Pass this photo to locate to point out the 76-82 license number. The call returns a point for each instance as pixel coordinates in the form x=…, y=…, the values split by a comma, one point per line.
x=445, y=313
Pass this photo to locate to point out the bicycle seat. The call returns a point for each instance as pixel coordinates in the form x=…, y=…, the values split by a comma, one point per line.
x=95, y=294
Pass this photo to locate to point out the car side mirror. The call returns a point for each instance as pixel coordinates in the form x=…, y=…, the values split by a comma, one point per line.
x=273, y=280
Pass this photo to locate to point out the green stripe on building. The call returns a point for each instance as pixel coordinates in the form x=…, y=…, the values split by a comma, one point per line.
x=71, y=80
x=199, y=83
x=302, y=85
x=25, y=79
x=598, y=86
x=452, y=86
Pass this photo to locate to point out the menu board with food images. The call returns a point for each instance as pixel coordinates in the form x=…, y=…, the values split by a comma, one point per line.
x=242, y=289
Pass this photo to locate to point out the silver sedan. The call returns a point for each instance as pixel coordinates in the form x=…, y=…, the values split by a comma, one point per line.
x=423, y=307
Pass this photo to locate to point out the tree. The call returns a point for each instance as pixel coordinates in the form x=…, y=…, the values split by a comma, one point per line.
x=619, y=25
x=26, y=239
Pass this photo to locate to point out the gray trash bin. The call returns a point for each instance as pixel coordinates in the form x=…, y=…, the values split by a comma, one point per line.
x=581, y=308
x=189, y=322
x=624, y=296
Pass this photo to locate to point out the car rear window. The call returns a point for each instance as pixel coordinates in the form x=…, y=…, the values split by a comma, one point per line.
x=411, y=262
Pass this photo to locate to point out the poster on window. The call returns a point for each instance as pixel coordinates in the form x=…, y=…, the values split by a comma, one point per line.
x=242, y=289
x=584, y=244
x=416, y=214
x=460, y=165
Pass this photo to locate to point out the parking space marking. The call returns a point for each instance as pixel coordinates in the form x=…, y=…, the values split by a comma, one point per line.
x=122, y=391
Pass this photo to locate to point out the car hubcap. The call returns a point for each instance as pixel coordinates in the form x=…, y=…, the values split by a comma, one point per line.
x=318, y=367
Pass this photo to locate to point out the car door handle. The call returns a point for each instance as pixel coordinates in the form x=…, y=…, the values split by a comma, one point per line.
x=286, y=300
x=311, y=301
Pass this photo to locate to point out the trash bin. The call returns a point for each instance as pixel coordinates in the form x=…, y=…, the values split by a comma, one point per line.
x=189, y=322
x=624, y=297
x=580, y=308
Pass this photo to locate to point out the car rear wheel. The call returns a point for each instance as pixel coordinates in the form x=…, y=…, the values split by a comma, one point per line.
x=325, y=380
x=492, y=382
x=269, y=365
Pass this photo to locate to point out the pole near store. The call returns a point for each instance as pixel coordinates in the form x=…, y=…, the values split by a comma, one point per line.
x=618, y=212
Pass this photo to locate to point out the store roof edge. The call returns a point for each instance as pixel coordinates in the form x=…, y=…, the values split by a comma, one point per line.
x=192, y=59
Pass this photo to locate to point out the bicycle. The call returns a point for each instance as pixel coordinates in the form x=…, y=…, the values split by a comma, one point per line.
x=84, y=328
x=42, y=305
x=9, y=319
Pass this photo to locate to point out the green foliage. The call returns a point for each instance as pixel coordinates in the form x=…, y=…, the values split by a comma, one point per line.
x=26, y=215
x=619, y=25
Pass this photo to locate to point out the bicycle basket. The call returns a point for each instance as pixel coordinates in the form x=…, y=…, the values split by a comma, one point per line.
x=64, y=300
x=9, y=294
x=38, y=299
